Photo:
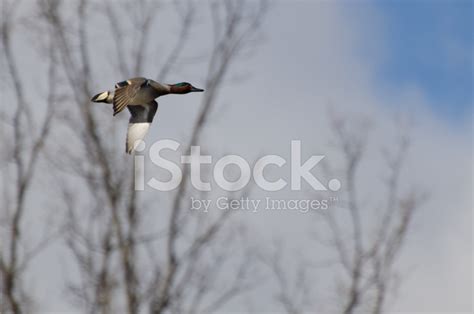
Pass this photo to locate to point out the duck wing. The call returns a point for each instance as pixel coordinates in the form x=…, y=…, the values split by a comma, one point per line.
x=139, y=123
x=135, y=80
x=125, y=91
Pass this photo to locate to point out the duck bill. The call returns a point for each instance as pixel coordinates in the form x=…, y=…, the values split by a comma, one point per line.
x=198, y=90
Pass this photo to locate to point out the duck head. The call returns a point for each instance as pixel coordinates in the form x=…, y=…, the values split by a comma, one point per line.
x=184, y=88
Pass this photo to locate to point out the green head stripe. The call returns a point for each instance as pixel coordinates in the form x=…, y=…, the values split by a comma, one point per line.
x=182, y=84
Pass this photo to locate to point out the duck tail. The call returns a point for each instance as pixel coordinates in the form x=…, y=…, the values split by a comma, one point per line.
x=106, y=97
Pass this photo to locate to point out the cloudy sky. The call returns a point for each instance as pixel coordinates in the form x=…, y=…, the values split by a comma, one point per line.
x=383, y=58
x=379, y=59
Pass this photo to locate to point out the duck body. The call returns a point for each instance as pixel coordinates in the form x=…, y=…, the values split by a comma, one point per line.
x=138, y=95
x=137, y=91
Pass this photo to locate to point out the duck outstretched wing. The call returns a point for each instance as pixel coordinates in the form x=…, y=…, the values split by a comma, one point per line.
x=139, y=123
x=125, y=91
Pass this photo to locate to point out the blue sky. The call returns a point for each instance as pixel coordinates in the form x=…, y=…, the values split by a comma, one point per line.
x=430, y=46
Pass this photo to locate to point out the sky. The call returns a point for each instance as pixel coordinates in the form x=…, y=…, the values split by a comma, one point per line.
x=430, y=45
x=378, y=59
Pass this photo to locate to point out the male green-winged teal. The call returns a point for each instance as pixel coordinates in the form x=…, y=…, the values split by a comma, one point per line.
x=138, y=95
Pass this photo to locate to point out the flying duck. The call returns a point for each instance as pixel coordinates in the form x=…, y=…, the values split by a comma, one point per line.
x=138, y=95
